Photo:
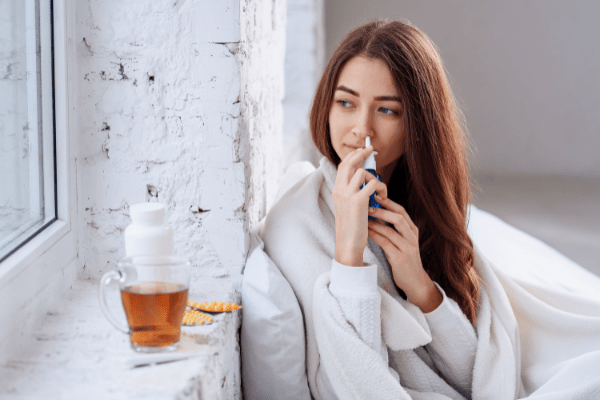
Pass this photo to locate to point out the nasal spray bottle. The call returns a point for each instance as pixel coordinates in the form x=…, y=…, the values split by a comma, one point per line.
x=369, y=166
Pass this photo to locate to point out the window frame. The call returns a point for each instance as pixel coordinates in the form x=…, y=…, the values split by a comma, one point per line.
x=38, y=90
x=58, y=229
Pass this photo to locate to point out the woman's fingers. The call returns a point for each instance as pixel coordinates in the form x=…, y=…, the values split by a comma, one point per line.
x=390, y=234
x=352, y=162
x=381, y=189
x=361, y=176
x=373, y=186
x=398, y=221
x=397, y=208
x=386, y=244
x=358, y=179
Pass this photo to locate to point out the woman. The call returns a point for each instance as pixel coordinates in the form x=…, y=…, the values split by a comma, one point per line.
x=409, y=313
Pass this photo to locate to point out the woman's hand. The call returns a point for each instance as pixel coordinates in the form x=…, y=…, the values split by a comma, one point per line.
x=351, y=207
x=401, y=247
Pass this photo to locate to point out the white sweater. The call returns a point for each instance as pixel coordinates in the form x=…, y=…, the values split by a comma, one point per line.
x=454, y=342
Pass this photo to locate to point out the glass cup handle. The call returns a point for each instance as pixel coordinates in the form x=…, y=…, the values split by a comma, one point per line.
x=106, y=279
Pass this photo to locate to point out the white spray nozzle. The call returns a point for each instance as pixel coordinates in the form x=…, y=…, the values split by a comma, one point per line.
x=370, y=161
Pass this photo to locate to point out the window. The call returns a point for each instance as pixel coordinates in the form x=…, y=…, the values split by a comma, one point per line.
x=28, y=195
x=44, y=262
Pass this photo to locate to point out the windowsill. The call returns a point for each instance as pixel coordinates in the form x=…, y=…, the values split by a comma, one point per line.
x=75, y=352
x=23, y=257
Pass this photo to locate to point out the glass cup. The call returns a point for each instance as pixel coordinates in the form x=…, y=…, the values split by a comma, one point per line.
x=154, y=293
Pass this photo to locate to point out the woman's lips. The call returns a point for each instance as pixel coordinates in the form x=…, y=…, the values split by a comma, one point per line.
x=353, y=148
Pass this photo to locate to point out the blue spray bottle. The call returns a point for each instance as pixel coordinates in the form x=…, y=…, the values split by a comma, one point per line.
x=370, y=166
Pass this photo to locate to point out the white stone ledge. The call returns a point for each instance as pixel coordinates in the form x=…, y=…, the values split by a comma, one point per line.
x=76, y=354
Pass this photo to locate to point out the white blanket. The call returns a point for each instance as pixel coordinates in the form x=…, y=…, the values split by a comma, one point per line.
x=532, y=341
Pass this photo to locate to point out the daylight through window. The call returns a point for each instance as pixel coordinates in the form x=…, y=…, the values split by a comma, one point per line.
x=27, y=137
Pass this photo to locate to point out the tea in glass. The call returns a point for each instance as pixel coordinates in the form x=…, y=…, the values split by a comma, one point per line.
x=154, y=312
x=154, y=293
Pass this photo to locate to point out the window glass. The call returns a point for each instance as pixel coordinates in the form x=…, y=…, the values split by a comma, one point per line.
x=27, y=145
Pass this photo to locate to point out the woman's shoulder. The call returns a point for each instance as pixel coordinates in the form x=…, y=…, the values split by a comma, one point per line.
x=302, y=214
x=297, y=201
x=301, y=188
x=301, y=221
x=301, y=227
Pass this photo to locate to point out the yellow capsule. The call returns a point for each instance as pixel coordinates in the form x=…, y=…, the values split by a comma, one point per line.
x=201, y=315
x=193, y=317
x=214, y=306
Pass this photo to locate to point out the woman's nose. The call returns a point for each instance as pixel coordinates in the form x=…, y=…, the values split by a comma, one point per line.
x=362, y=126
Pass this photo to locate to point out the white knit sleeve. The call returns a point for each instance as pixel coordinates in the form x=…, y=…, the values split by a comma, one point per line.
x=355, y=289
x=453, y=345
x=353, y=361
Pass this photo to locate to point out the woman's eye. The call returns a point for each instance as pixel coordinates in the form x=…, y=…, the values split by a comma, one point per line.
x=344, y=103
x=387, y=111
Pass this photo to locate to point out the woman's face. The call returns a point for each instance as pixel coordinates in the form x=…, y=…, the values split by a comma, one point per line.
x=366, y=103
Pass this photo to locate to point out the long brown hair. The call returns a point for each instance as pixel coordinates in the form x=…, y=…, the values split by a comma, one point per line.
x=431, y=180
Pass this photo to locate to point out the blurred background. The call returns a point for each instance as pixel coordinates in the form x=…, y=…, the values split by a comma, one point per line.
x=526, y=75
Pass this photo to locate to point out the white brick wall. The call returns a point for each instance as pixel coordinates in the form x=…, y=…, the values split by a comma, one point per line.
x=179, y=103
x=262, y=56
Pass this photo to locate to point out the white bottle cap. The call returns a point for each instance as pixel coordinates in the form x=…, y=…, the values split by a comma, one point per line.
x=147, y=212
x=370, y=161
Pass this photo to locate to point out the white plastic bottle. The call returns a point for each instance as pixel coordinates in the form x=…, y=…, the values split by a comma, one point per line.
x=148, y=234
